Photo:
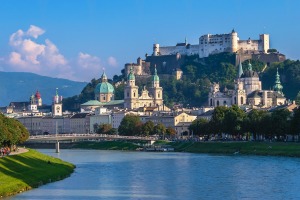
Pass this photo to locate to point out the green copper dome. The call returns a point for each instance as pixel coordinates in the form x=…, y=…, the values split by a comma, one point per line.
x=104, y=87
x=131, y=75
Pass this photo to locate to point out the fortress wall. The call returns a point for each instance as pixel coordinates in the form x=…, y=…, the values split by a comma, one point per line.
x=251, y=45
x=170, y=50
x=183, y=50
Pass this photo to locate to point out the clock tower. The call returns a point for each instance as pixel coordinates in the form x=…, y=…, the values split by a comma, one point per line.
x=57, y=105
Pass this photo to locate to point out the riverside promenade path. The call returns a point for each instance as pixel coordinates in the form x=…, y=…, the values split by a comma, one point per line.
x=19, y=151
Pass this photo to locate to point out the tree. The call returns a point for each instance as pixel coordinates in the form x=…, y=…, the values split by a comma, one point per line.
x=216, y=123
x=170, y=132
x=12, y=131
x=295, y=123
x=148, y=128
x=280, y=120
x=253, y=122
x=233, y=120
x=160, y=129
x=130, y=125
x=297, y=99
x=272, y=51
x=104, y=128
x=199, y=127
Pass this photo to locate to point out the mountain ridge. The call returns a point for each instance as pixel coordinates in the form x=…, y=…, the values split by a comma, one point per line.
x=19, y=86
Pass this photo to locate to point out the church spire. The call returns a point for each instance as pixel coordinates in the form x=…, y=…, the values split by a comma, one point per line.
x=278, y=87
x=249, y=66
x=104, y=77
x=240, y=72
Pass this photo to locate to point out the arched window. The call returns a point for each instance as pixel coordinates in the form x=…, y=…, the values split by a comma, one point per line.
x=224, y=103
x=242, y=100
x=234, y=100
x=133, y=94
x=158, y=94
x=218, y=103
x=127, y=94
x=104, y=98
x=211, y=102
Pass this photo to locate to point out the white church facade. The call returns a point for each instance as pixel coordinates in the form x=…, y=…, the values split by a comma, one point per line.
x=247, y=91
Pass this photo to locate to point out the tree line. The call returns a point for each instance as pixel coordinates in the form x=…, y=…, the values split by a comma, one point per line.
x=12, y=132
x=260, y=124
x=131, y=125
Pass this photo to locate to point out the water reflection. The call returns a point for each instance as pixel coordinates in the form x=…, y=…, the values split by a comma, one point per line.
x=141, y=175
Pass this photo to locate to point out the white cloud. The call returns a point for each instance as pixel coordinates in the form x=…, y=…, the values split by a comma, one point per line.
x=35, y=31
x=112, y=61
x=88, y=66
x=44, y=58
x=29, y=55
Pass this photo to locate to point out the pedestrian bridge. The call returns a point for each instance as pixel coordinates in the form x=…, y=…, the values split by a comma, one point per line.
x=80, y=137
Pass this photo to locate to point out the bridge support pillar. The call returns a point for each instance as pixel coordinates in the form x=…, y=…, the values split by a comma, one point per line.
x=57, y=147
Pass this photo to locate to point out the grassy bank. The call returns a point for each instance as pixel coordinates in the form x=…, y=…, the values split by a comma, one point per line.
x=28, y=170
x=251, y=148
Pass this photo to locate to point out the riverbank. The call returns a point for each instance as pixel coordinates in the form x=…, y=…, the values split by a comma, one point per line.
x=244, y=148
x=28, y=170
x=288, y=149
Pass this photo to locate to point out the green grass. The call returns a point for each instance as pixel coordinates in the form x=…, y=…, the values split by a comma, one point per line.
x=28, y=170
x=107, y=145
x=253, y=148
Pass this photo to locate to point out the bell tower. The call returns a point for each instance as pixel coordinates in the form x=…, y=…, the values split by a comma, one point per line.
x=131, y=92
x=157, y=91
x=57, y=105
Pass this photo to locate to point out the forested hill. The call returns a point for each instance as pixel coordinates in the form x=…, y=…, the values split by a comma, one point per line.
x=193, y=89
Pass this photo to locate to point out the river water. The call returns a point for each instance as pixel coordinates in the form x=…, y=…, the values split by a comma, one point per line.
x=152, y=175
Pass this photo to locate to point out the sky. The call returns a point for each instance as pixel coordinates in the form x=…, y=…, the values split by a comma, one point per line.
x=78, y=40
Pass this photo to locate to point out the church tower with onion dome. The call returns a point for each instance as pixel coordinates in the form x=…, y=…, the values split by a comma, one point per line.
x=156, y=90
x=57, y=105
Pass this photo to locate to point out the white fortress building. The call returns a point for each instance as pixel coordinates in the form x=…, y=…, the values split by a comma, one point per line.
x=212, y=44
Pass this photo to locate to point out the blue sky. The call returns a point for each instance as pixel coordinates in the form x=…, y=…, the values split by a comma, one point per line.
x=78, y=39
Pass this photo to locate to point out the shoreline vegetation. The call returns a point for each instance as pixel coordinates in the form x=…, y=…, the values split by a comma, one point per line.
x=22, y=172
x=287, y=149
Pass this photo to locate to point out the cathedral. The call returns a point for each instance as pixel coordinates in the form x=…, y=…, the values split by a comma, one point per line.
x=148, y=98
x=247, y=91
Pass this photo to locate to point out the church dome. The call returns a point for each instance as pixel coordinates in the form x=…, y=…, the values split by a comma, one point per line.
x=37, y=95
x=104, y=87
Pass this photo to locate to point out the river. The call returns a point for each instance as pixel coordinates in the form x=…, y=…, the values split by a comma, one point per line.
x=151, y=175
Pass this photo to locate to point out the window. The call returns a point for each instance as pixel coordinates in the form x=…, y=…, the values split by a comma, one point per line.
x=127, y=94
x=218, y=103
x=242, y=100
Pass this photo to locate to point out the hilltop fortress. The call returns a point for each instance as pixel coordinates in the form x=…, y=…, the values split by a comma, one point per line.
x=168, y=59
x=212, y=44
